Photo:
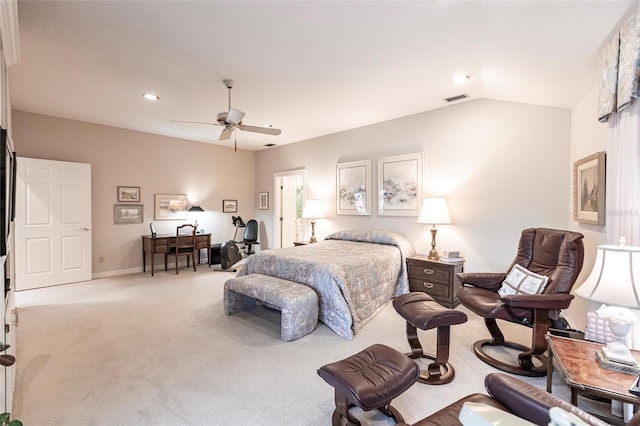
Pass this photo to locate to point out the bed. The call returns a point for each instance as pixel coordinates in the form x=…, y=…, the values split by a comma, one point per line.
x=355, y=274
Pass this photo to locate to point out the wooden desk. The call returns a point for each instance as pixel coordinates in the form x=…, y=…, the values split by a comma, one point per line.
x=160, y=244
x=583, y=373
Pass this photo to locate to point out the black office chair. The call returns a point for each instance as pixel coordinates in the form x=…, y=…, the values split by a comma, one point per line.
x=250, y=237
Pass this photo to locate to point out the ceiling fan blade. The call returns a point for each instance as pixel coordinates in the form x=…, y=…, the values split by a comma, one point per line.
x=260, y=129
x=234, y=116
x=193, y=122
x=226, y=133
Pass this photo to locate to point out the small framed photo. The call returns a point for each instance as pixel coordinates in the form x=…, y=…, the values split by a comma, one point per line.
x=263, y=201
x=589, y=189
x=128, y=213
x=229, y=206
x=128, y=194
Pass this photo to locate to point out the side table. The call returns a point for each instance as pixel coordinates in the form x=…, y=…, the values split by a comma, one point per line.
x=438, y=279
x=583, y=373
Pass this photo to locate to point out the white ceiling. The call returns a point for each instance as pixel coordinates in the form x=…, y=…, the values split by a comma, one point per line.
x=309, y=68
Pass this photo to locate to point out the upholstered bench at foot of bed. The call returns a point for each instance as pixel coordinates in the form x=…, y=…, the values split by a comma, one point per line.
x=297, y=303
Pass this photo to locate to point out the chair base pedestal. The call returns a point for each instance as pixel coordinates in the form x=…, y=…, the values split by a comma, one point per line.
x=526, y=367
x=437, y=373
x=342, y=412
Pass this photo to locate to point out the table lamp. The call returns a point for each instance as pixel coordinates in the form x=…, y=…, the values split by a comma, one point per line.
x=196, y=208
x=434, y=211
x=615, y=281
x=312, y=210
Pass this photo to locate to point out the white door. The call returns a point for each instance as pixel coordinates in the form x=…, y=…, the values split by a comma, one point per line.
x=53, y=223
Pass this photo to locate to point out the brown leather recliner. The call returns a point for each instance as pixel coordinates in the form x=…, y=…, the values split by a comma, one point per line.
x=554, y=253
x=515, y=396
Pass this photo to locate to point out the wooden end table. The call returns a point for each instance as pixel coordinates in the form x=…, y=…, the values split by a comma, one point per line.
x=583, y=373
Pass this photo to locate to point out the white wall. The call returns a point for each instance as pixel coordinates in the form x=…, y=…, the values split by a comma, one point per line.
x=502, y=166
x=588, y=136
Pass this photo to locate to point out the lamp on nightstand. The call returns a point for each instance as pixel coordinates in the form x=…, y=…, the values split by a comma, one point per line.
x=434, y=211
x=312, y=210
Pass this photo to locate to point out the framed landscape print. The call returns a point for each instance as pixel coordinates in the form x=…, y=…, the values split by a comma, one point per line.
x=229, y=206
x=170, y=206
x=353, y=188
x=128, y=213
x=589, y=189
x=129, y=194
x=400, y=185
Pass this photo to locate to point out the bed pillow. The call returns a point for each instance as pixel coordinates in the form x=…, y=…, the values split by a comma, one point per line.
x=521, y=280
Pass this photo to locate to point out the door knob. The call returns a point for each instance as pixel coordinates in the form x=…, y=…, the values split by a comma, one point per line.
x=86, y=228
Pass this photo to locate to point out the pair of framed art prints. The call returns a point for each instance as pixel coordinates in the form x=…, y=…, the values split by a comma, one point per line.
x=399, y=186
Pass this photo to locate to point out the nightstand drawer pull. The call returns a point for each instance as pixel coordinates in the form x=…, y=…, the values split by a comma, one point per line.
x=428, y=271
x=427, y=285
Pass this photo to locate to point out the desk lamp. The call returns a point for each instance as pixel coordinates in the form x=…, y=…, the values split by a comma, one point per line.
x=434, y=211
x=312, y=210
x=615, y=280
x=196, y=208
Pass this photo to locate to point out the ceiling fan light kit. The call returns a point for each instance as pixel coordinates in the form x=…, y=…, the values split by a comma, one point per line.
x=232, y=119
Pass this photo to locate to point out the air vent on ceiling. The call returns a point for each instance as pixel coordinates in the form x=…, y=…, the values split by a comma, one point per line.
x=457, y=98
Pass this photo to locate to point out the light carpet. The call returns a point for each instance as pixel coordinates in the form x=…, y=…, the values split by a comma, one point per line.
x=142, y=350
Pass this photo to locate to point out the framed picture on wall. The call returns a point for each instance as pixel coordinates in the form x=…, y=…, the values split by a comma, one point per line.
x=400, y=185
x=128, y=213
x=263, y=201
x=128, y=194
x=170, y=206
x=229, y=206
x=353, y=188
x=589, y=189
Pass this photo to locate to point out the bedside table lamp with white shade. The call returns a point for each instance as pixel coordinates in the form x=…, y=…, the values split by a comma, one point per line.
x=615, y=281
x=434, y=211
x=312, y=210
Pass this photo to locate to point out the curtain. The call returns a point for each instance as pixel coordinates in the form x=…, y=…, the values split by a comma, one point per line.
x=620, y=67
x=623, y=176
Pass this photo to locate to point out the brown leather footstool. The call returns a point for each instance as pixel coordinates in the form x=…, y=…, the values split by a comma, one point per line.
x=421, y=311
x=369, y=379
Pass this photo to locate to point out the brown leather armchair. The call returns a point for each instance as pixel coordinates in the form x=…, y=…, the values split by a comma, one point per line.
x=512, y=395
x=549, y=252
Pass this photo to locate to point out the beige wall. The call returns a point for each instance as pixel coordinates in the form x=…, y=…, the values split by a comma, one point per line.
x=206, y=173
x=502, y=166
x=588, y=136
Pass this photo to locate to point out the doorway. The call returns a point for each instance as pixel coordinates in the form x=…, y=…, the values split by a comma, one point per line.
x=289, y=189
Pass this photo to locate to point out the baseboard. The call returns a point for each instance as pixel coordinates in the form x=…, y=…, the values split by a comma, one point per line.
x=117, y=273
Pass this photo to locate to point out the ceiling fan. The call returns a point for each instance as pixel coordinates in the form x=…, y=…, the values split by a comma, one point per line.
x=232, y=119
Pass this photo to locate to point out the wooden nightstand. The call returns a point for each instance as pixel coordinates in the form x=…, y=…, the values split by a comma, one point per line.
x=437, y=279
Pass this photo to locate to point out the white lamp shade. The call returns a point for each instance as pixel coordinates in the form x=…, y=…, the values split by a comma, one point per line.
x=615, y=278
x=435, y=211
x=312, y=210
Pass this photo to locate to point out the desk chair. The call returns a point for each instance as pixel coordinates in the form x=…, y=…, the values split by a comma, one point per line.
x=250, y=237
x=185, y=245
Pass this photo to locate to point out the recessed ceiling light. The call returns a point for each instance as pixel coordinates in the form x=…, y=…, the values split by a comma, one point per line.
x=150, y=97
x=460, y=78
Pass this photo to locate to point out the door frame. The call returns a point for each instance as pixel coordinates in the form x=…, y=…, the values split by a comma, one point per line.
x=277, y=213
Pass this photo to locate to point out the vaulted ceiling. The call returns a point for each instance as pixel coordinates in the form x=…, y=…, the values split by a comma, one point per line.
x=309, y=68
